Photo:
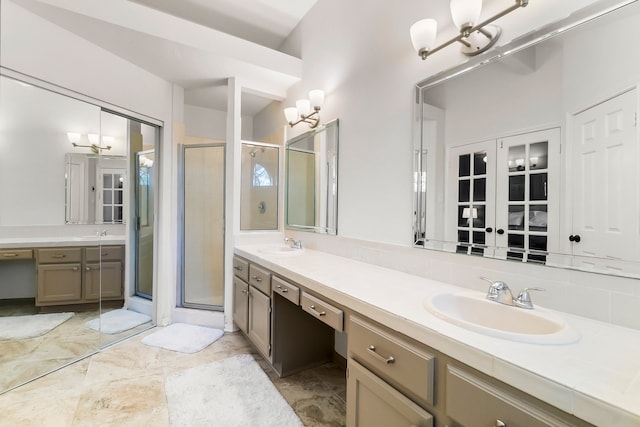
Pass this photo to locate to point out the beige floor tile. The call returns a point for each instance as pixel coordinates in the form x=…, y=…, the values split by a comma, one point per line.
x=136, y=402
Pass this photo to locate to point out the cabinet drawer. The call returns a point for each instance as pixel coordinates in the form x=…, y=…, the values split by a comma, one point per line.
x=59, y=255
x=260, y=279
x=327, y=313
x=472, y=401
x=286, y=289
x=241, y=268
x=407, y=368
x=9, y=254
x=107, y=253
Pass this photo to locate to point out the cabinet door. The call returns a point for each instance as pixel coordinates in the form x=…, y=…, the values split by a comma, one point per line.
x=111, y=275
x=59, y=284
x=371, y=402
x=260, y=321
x=241, y=304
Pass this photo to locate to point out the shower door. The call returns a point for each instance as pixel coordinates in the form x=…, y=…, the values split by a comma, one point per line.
x=144, y=227
x=203, y=193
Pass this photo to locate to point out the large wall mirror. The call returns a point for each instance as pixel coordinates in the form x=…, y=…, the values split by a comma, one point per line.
x=531, y=155
x=68, y=250
x=312, y=180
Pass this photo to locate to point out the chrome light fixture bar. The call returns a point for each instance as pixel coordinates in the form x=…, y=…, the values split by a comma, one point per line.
x=302, y=113
x=475, y=38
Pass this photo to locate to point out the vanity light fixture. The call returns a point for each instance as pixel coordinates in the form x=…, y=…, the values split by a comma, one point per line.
x=475, y=38
x=93, y=138
x=302, y=111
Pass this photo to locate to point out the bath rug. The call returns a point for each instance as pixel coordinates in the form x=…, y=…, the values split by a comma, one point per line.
x=35, y=325
x=116, y=321
x=183, y=337
x=231, y=392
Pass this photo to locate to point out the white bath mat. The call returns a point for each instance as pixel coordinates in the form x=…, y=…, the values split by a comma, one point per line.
x=116, y=321
x=183, y=337
x=20, y=327
x=232, y=392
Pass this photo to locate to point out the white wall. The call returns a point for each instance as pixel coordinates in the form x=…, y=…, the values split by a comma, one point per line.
x=208, y=123
x=360, y=53
x=38, y=49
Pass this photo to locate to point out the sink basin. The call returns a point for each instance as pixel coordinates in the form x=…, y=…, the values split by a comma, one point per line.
x=474, y=312
x=280, y=250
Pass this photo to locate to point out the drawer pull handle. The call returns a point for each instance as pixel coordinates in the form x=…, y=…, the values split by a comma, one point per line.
x=105, y=254
x=237, y=268
x=88, y=268
x=316, y=312
x=283, y=290
x=75, y=269
x=10, y=255
x=59, y=256
x=500, y=424
x=257, y=279
x=388, y=360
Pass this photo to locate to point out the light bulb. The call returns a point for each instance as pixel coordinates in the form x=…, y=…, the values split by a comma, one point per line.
x=291, y=114
x=316, y=97
x=465, y=12
x=423, y=34
x=303, y=106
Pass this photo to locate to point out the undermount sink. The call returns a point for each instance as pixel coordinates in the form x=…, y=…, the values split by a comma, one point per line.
x=280, y=250
x=474, y=312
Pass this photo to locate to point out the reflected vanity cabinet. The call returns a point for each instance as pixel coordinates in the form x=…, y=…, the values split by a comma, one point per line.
x=76, y=275
x=252, y=303
x=396, y=381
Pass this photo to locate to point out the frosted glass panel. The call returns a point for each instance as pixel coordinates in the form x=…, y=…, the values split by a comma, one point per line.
x=203, y=232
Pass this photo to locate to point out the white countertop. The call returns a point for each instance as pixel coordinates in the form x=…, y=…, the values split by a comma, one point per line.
x=596, y=378
x=45, y=242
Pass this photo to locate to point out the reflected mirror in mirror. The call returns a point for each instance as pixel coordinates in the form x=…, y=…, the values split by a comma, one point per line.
x=95, y=189
x=259, y=186
x=527, y=156
x=312, y=180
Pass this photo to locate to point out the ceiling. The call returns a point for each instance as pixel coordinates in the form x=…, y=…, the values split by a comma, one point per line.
x=196, y=44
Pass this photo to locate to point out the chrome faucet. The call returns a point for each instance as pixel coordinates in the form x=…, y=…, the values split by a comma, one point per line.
x=523, y=300
x=500, y=292
x=294, y=244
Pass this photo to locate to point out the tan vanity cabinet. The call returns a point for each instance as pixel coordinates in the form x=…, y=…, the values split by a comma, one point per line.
x=372, y=402
x=401, y=364
x=286, y=289
x=14, y=254
x=472, y=400
x=252, y=303
x=59, y=276
x=241, y=268
x=79, y=275
x=103, y=278
x=323, y=311
x=241, y=304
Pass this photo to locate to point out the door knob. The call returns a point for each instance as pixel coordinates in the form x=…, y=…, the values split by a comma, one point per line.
x=488, y=229
x=574, y=238
x=500, y=231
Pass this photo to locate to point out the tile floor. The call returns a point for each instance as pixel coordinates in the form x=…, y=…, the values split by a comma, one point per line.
x=124, y=386
x=23, y=359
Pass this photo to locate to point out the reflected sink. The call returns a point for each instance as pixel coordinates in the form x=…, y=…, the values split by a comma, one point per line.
x=474, y=312
x=280, y=250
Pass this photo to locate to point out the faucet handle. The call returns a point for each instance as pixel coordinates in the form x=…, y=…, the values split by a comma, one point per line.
x=499, y=291
x=523, y=300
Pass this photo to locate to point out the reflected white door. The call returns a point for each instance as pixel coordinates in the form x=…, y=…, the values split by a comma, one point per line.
x=605, y=183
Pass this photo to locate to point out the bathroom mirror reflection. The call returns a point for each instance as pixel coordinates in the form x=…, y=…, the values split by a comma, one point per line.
x=544, y=172
x=95, y=191
x=259, y=186
x=312, y=180
x=53, y=274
